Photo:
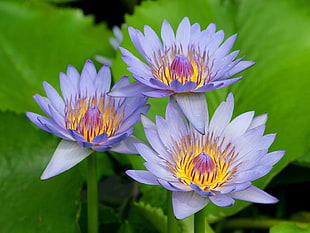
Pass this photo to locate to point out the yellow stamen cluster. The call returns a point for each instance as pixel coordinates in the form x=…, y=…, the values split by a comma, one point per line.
x=93, y=116
x=201, y=161
x=172, y=64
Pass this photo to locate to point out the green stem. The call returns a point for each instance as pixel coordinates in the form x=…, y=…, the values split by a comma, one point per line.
x=92, y=194
x=172, y=224
x=200, y=223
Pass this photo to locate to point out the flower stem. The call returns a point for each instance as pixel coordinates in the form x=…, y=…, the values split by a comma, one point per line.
x=92, y=194
x=172, y=223
x=200, y=223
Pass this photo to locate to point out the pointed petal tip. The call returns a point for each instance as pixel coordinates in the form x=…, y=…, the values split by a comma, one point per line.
x=248, y=64
x=194, y=107
x=254, y=194
x=147, y=122
x=46, y=84
x=230, y=97
x=66, y=155
x=211, y=26
x=142, y=176
x=46, y=176
x=88, y=61
x=131, y=30
x=185, y=20
x=29, y=114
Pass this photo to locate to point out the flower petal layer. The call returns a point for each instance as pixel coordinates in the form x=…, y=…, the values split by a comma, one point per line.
x=188, y=60
x=66, y=155
x=195, y=109
x=215, y=160
x=87, y=116
x=187, y=203
x=254, y=194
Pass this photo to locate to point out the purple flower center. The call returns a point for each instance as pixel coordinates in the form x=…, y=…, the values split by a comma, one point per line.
x=93, y=116
x=181, y=68
x=203, y=163
x=90, y=120
x=172, y=64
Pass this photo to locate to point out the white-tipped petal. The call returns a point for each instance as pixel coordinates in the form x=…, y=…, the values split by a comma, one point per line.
x=66, y=155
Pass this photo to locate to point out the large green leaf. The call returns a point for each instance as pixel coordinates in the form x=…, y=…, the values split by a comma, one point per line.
x=275, y=34
x=38, y=41
x=28, y=204
x=278, y=83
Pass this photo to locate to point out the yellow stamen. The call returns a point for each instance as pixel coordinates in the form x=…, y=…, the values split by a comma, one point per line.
x=93, y=116
x=173, y=65
x=201, y=161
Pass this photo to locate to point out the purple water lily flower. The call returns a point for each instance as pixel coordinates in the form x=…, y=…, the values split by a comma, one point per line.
x=86, y=117
x=192, y=61
x=217, y=166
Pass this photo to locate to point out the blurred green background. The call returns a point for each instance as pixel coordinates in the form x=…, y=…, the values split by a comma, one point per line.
x=39, y=39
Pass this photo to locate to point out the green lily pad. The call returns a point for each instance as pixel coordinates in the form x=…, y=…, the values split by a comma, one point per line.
x=28, y=204
x=37, y=42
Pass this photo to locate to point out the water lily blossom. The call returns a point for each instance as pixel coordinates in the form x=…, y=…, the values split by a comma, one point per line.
x=218, y=166
x=86, y=117
x=190, y=61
